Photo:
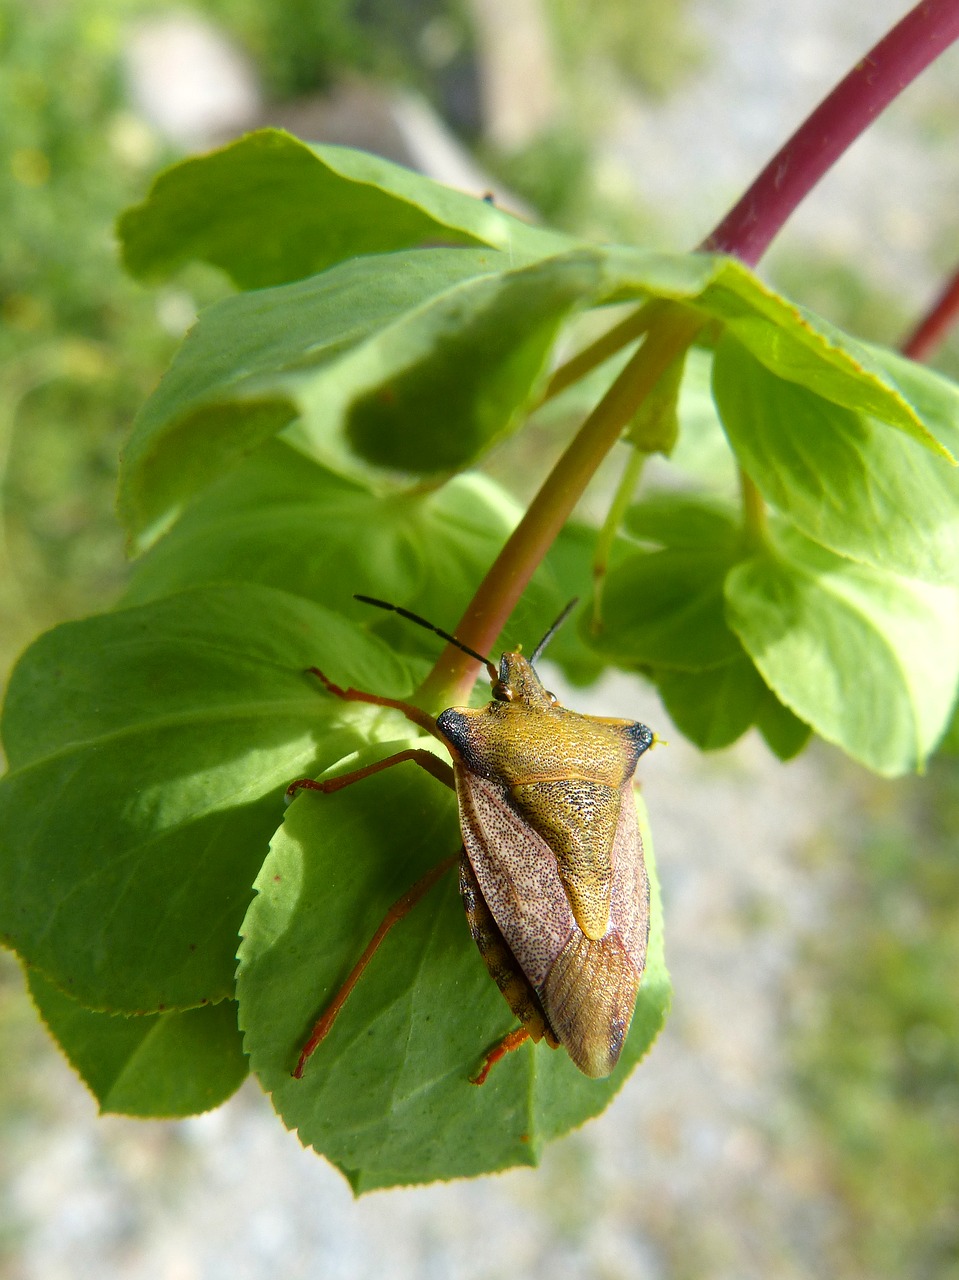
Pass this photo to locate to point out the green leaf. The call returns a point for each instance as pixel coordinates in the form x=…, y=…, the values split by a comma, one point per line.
x=387, y=1095
x=785, y=734
x=702, y=452
x=790, y=342
x=283, y=520
x=566, y=572
x=269, y=209
x=566, y=410
x=846, y=480
x=949, y=743
x=655, y=426
x=665, y=609
x=934, y=397
x=161, y=1065
x=684, y=522
x=713, y=708
x=800, y=347
x=869, y=659
x=149, y=750
x=378, y=359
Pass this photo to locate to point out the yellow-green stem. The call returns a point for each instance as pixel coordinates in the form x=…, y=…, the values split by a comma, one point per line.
x=455, y=673
x=614, y=518
x=755, y=517
x=621, y=335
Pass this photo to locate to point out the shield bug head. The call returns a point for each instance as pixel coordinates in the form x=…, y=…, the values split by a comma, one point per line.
x=551, y=870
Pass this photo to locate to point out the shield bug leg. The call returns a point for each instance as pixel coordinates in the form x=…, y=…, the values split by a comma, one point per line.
x=401, y=907
x=415, y=714
x=505, y=972
x=508, y=1043
x=440, y=770
x=443, y=773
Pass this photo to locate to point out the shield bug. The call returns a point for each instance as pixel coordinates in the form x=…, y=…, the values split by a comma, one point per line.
x=552, y=874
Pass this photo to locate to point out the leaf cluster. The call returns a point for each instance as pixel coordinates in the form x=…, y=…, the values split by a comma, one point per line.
x=315, y=437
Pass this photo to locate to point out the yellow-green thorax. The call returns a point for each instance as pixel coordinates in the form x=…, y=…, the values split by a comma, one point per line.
x=564, y=772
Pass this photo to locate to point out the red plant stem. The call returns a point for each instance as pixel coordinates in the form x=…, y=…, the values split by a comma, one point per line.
x=933, y=328
x=875, y=81
x=455, y=672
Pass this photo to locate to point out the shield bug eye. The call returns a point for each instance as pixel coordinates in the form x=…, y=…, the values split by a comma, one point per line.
x=502, y=692
x=554, y=701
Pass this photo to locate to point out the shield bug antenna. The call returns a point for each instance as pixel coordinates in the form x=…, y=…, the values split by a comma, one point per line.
x=538, y=651
x=429, y=626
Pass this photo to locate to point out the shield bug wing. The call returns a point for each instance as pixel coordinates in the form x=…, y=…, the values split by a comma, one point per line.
x=500, y=961
x=586, y=987
x=565, y=773
x=591, y=990
x=517, y=876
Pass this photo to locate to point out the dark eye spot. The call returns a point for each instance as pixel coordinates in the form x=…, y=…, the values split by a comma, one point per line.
x=502, y=692
x=641, y=736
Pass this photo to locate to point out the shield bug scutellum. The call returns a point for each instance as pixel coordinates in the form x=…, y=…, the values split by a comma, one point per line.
x=551, y=869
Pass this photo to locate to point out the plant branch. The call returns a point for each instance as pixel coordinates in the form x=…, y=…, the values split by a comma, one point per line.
x=611, y=525
x=933, y=328
x=755, y=518
x=498, y=593
x=875, y=81
x=620, y=335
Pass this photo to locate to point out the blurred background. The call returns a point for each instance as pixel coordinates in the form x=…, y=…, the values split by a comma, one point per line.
x=800, y=1114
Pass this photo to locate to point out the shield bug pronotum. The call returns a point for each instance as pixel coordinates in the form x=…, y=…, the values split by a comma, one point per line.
x=551, y=869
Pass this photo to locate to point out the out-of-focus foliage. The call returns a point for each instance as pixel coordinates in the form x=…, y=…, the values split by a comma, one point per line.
x=553, y=173
x=649, y=42
x=79, y=343
x=302, y=45
x=70, y=154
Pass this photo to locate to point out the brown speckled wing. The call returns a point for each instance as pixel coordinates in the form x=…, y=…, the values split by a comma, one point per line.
x=587, y=987
x=500, y=961
x=516, y=872
x=629, y=908
x=591, y=990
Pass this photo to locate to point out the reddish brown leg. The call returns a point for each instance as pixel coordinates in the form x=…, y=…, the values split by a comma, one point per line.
x=505, y=1046
x=396, y=912
x=416, y=714
x=443, y=773
x=440, y=770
